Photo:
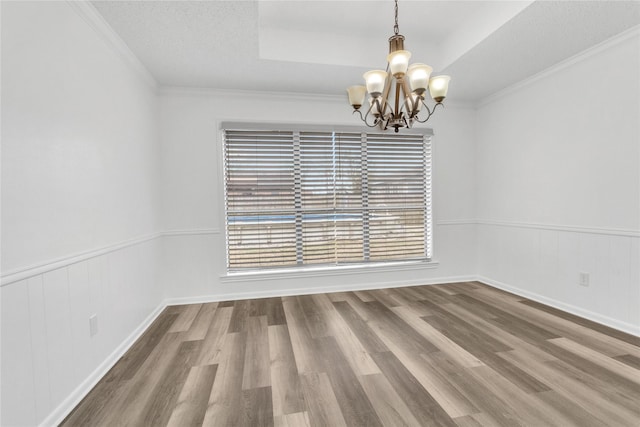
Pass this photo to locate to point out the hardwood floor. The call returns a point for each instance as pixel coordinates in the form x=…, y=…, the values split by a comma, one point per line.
x=461, y=354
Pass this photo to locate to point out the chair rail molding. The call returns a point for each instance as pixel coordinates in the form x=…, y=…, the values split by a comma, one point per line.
x=567, y=228
x=22, y=273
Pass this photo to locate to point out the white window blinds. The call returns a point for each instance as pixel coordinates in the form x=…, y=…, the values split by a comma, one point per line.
x=296, y=198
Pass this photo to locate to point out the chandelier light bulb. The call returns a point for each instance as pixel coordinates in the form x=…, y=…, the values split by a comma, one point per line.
x=375, y=80
x=419, y=77
x=356, y=95
x=399, y=62
x=438, y=87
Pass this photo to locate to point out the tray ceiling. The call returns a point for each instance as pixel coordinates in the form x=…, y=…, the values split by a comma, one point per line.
x=323, y=46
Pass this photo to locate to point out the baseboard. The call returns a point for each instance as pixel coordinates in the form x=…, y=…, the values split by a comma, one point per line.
x=587, y=314
x=80, y=392
x=316, y=290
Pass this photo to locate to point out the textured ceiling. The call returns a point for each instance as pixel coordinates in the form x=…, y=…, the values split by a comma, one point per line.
x=323, y=46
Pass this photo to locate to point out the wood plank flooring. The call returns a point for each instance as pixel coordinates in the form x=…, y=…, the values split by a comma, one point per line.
x=461, y=354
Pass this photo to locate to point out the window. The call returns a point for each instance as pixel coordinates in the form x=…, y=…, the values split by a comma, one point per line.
x=327, y=197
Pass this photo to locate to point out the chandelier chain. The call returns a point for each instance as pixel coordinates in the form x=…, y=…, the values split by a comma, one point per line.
x=395, y=27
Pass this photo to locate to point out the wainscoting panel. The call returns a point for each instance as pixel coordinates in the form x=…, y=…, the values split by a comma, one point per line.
x=546, y=263
x=18, y=402
x=49, y=358
x=39, y=347
x=60, y=352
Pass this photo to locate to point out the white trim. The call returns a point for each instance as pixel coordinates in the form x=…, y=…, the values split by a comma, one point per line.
x=187, y=232
x=22, y=273
x=73, y=399
x=248, y=94
x=37, y=269
x=565, y=228
x=316, y=290
x=46, y=266
x=211, y=92
x=96, y=21
x=302, y=272
x=585, y=54
x=628, y=328
x=457, y=222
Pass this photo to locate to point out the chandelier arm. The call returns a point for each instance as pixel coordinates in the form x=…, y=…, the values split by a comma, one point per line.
x=407, y=123
x=430, y=111
x=397, y=112
x=429, y=114
x=375, y=120
x=364, y=118
x=388, y=109
x=385, y=92
x=413, y=103
x=383, y=123
x=382, y=107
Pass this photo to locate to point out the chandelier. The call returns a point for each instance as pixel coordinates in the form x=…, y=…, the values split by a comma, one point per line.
x=409, y=84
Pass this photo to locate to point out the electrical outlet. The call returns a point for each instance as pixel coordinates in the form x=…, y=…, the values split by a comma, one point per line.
x=93, y=325
x=584, y=279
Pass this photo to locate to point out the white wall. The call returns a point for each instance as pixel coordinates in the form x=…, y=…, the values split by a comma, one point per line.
x=194, y=262
x=112, y=197
x=80, y=166
x=558, y=189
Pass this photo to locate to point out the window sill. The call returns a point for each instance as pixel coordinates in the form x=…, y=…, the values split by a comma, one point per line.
x=302, y=272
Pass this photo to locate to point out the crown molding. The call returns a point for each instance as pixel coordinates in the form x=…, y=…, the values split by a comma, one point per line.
x=581, y=56
x=207, y=92
x=248, y=94
x=102, y=28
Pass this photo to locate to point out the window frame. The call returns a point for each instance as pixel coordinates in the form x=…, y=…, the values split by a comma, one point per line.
x=426, y=133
